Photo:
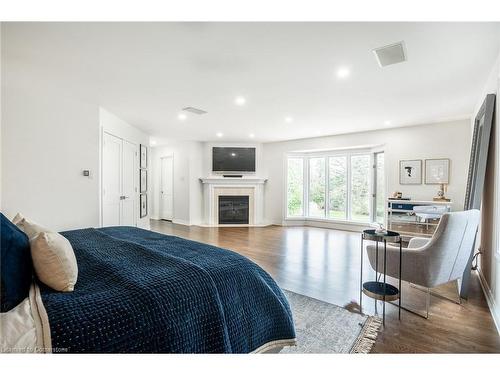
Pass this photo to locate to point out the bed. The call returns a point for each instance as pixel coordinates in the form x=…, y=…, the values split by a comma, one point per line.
x=143, y=292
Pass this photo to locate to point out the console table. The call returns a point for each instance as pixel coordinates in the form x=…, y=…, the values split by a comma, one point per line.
x=401, y=217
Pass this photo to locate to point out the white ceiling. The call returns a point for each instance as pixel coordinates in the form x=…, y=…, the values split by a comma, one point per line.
x=147, y=72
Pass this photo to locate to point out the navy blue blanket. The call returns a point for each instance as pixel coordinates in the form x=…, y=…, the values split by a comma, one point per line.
x=145, y=292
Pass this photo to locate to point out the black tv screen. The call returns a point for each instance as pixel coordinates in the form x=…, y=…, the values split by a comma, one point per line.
x=233, y=159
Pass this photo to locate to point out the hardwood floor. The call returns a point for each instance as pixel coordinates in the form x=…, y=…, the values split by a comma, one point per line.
x=324, y=264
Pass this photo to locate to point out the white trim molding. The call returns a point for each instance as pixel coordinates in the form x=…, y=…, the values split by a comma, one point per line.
x=250, y=186
x=181, y=222
x=495, y=312
x=348, y=226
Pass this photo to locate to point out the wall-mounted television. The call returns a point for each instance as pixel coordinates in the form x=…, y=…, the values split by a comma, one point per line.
x=233, y=159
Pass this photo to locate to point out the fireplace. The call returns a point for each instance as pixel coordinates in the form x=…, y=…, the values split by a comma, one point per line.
x=233, y=209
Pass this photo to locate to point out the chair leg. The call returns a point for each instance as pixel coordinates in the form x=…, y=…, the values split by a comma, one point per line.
x=427, y=303
x=459, y=298
x=458, y=301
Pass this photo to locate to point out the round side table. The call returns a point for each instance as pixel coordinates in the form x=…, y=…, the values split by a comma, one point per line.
x=381, y=291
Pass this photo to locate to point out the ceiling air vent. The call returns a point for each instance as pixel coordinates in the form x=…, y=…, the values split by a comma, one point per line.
x=196, y=111
x=391, y=54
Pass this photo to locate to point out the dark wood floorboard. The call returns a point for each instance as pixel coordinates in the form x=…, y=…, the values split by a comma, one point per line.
x=324, y=264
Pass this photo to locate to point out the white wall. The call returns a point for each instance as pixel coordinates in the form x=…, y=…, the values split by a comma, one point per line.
x=442, y=140
x=114, y=125
x=188, y=164
x=490, y=219
x=196, y=158
x=49, y=136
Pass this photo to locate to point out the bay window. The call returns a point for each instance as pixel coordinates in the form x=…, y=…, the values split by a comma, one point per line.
x=335, y=186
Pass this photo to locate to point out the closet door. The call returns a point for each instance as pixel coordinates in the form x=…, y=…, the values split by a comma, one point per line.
x=119, y=182
x=130, y=171
x=167, y=188
x=111, y=180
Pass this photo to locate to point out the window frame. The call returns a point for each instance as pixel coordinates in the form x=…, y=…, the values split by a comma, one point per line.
x=304, y=195
x=306, y=173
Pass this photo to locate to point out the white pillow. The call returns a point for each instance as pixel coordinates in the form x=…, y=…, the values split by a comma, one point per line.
x=17, y=218
x=54, y=261
x=31, y=228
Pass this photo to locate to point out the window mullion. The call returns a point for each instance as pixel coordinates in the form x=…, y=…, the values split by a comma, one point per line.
x=306, y=187
x=372, y=188
x=327, y=186
x=349, y=186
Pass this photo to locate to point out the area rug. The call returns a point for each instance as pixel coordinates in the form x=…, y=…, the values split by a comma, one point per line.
x=325, y=328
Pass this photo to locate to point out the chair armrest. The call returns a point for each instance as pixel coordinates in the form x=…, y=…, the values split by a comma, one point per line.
x=418, y=242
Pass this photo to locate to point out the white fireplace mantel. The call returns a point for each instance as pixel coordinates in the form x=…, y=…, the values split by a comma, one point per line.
x=233, y=180
x=215, y=186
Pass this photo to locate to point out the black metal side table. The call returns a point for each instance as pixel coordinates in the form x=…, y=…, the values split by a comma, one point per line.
x=381, y=291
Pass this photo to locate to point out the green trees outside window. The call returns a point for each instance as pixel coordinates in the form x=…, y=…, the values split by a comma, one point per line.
x=360, y=187
x=337, y=188
x=317, y=186
x=295, y=189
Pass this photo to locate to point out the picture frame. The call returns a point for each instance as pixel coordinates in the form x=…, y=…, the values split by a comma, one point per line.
x=143, y=154
x=143, y=205
x=410, y=172
x=437, y=171
x=143, y=180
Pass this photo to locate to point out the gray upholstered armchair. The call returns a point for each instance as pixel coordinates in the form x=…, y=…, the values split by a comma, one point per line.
x=439, y=260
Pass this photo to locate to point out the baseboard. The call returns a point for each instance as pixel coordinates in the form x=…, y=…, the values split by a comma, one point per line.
x=350, y=227
x=181, y=222
x=234, y=225
x=495, y=313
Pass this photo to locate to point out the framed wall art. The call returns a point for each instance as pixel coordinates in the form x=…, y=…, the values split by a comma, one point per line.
x=143, y=157
x=143, y=181
x=410, y=172
x=437, y=171
x=144, y=205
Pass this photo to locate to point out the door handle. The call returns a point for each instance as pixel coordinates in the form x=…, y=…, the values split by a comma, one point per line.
x=122, y=197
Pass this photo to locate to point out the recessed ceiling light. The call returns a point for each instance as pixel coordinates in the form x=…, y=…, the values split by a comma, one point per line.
x=182, y=116
x=251, y=135
x=240, y=100
x=152, y=143
x=233, y=154
x=219, y=134
x=288, y=119
x=343, y=72
x=387, y=123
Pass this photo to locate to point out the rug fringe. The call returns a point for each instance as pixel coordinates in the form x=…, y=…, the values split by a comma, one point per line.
x=368, y=336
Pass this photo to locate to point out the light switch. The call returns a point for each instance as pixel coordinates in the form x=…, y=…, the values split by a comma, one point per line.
x=86, y=173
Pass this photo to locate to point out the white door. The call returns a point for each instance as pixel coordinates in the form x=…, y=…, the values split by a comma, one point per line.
x=129, y=178
x=111, y=180
x=119, y=182
x=167, y=188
